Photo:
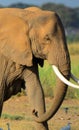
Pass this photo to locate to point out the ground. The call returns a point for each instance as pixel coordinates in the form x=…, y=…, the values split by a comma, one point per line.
x=16, y=112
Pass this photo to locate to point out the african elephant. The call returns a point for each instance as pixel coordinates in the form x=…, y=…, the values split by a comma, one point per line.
x=27, y=38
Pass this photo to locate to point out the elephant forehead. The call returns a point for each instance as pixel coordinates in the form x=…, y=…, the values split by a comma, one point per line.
x=47, y=28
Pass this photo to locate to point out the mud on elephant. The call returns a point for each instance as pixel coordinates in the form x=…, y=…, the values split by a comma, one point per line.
x=27, y=38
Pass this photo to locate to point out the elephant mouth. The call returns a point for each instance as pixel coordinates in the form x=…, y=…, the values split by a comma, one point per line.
x=64, y=80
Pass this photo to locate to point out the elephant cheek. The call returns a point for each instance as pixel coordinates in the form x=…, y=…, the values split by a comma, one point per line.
x=52, y=59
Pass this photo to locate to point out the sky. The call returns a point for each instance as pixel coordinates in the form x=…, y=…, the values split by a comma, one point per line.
x=70, y=3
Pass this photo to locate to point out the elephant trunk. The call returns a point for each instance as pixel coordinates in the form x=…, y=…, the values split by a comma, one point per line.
x=58, y=55
x=59, y=95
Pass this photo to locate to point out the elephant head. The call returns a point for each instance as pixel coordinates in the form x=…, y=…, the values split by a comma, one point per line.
x=40, y=35
x=48, y=42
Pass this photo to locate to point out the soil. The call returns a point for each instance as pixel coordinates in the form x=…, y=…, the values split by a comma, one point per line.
x=17, y=107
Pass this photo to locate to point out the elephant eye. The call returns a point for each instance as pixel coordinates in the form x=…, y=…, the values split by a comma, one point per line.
x=47, y=38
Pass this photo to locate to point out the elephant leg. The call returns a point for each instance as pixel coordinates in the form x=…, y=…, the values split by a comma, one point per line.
x=35, y=94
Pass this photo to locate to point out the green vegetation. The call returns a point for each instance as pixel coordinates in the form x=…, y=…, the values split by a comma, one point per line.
x=47, y=78
x=13, y=117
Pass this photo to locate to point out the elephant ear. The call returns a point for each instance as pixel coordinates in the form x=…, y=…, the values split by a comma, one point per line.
x=14, y=39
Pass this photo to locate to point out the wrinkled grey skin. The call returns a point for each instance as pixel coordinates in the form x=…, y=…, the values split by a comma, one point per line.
x=27, y=38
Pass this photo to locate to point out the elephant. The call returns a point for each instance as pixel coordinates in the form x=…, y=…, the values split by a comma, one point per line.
x=27, y=38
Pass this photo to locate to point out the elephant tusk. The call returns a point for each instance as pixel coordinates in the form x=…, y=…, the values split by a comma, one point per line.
x=74, y=78
x=62, y=78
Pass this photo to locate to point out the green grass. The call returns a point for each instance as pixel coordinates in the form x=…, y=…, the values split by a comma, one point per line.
x=48, y=78
x=13, y=117
x=74, y=55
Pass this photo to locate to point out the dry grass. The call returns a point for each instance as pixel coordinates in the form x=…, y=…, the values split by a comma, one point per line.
x=20, y=106
x=73, y=48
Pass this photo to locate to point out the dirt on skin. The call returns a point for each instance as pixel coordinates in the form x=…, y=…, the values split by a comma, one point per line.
x=17, y=107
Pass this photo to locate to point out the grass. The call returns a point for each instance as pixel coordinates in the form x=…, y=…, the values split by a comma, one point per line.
x=58, y=121
x=73, y=48
x=74, y=55
x=12, y=117
x=48, y=78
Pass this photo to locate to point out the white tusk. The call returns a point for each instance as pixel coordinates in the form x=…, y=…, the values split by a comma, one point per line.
x=74, y=78
x=62, y=78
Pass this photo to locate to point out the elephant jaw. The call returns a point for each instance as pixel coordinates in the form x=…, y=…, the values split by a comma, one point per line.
x=63, y=79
